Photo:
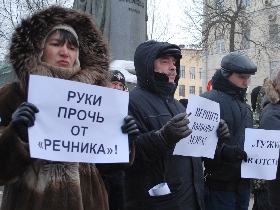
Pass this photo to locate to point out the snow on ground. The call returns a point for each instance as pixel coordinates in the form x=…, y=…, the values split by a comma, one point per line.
x=124, y=66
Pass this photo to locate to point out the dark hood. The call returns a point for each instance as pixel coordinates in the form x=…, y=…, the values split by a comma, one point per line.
x=26, y=42
x=144, y=58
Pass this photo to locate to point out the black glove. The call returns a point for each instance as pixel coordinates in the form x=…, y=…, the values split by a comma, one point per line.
x=232, y=154
x=175, y=130
x=130, y=127
x=23, y=118
x=222, y=132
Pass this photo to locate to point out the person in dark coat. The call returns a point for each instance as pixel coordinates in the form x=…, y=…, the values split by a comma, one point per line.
x=114, y=182
x=162, y=121
x=259, y=188
x=254, y=97
x=226, y=189
x=269, y=120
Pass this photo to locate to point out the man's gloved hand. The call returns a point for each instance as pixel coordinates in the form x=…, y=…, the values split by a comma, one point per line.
x=222, y=132
x=23, y=118
x=175, y=129
x=232, y=154
x=130, y=127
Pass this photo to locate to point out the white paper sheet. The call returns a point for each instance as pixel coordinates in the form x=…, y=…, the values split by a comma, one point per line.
x=262, y=148
x=204, y=122
x=77, y=122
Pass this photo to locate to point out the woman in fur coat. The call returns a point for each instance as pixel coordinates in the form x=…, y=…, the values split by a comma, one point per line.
x=270, y=120
x=61, y=43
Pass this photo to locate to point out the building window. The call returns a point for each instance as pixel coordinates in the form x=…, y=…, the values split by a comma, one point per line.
x=220, y=44
x=200, y=90
x=192, y=73
x=182, y=90
x=182, y=71
x=246, y=3
x=200, y=73
x=273, y=64
x=192, y=89
x=245, y=43
x=273, y=34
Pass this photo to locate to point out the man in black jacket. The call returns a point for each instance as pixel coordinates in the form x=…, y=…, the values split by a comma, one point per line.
x=227, y=190
x=162, y=122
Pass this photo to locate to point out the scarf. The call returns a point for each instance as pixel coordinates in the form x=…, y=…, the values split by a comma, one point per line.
x=45, y=69
x=222, y=84
x=165, y=89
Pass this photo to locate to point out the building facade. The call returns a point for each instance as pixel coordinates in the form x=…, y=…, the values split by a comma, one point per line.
x=256, y=35
x=191, y=73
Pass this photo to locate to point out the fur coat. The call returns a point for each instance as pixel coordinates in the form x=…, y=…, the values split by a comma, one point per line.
x=39, y=184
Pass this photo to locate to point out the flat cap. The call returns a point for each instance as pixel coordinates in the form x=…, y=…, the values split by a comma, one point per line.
x=238, y=63
x=171, y=51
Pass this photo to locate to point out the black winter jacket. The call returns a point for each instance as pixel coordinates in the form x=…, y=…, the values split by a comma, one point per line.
x=152, y=105
x=221, y=175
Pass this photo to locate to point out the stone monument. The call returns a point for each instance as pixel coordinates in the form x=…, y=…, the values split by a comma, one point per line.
x=122, y=22
x=100, y=9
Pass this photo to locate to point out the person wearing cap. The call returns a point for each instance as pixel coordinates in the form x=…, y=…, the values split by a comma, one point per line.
x=226, y=189
x=114, y=182
x=53, y=43
x=117, y=81
x=162, y=121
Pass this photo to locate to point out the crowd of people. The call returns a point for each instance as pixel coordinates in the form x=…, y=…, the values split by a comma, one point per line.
x=66, y=44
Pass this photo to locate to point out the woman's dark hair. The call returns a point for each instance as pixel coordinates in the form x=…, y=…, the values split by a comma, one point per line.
x=64, y=36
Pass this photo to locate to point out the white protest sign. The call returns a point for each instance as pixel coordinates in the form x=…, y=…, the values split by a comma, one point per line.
x=262, y=148
x=77, y=122
x=204, y=122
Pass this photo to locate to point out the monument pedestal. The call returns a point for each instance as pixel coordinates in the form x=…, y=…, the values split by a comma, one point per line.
x=128, y=27
x=122, y=22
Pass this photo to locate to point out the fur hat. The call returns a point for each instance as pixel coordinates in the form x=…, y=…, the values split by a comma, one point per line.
x=25, y=48
x=269, y=84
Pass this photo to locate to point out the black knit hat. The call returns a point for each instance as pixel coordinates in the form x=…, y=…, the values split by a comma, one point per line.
x=118, y=76
x=238, y=63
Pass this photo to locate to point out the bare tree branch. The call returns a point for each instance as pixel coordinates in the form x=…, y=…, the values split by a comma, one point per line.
x=11, y=13
x=212, y=19
x=159, y=21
